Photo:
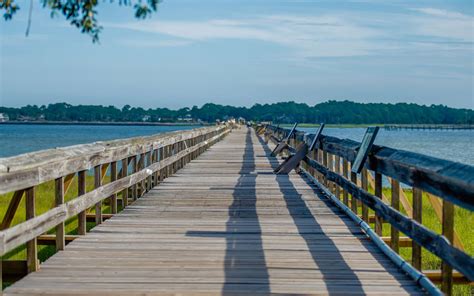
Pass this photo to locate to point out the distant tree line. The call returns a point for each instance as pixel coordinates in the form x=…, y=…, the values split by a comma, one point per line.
x=334, y=112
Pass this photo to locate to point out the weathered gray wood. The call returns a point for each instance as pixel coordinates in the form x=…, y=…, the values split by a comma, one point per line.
x=113, y=177
x=345, y=173
x=378, y=192
x=364, y=149
x=223, y=225
x=417, y=216
x=34, y=168
x=31, y=246
x=394, y=233
x=420, y=235
x=354, y=206
x=11, y=210
x=97, y=184
x=21, y=233
x=365, y=186
x=81, y=190
x=59, y=200
x=124, y=174
x=448, y=232
x=447, y=179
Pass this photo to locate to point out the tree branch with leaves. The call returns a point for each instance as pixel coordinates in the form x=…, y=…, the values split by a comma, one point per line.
x=82, y=14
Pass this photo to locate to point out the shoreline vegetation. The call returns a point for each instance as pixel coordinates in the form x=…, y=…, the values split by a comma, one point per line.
x=345, y=113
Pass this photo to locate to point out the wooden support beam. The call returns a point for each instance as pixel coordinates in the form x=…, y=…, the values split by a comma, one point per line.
x=448, y=232
x=98, y=205
x=394, y=233
x=123, y=175
x=378, y=193
x=436, y=202
x=90, y=217
x=50, y=239
x=81, y=189
x=337, y=161
x=365, y=186
x=113, y=177
x=345, y=173
x=59, y=200
x=417, y=216
x=354, y=206
x=11, y=210
x=436, y=277
x=31, y=245
x=403, y=242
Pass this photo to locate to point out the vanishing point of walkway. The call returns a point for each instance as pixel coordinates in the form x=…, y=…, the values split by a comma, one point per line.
x=225, y=224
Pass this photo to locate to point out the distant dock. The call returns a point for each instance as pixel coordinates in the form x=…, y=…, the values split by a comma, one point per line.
x=429, y=126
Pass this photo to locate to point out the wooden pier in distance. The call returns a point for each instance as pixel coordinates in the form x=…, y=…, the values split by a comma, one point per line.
x=429, y=127
x=205, y=214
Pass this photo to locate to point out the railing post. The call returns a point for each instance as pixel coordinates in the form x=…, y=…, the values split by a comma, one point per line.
x=124, y=174
x=417, y=216
x=148, y=163
x=394, y=233
x=141, y=167
x=354, y=206
x=448, y=232
x=134, y=170
x=31, y=246
x=81, y=189
x=365, y=186
x=97, y=184
x=338, y=171
x=378, y=192
x=345, y=172
x=113, y=177
x=59, y=200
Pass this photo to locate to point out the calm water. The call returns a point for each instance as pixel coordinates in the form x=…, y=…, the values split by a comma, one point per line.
x=16, y=139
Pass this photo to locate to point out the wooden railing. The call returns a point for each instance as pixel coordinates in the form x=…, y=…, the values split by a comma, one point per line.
x=445, y=184
x=133, y=166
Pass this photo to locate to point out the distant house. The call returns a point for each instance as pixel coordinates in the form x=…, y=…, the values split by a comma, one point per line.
x=4, y=117
x=146, y=118
x=186, y=118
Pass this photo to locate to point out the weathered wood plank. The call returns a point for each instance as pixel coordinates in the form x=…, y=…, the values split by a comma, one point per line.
x=31, y=169
x=223, y=225
x=32, y=228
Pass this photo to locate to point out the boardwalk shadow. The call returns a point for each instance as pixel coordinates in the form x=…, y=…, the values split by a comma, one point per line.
x=244, y=266
x=336, y=272
x=245, y=258
x=338, y=276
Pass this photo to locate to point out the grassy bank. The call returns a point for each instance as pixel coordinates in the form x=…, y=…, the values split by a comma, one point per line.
x=45, y=201
x=463, y=221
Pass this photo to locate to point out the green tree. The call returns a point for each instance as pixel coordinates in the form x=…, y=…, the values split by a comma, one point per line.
x=81, y=14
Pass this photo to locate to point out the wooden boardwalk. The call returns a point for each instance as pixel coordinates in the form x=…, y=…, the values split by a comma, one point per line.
x=224, y=224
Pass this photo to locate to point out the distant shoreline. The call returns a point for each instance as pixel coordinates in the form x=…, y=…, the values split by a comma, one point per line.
x=103, y=123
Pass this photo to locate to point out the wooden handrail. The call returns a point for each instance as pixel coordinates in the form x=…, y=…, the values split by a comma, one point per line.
x=153, y=158
x=446, y=179
x=31, y=169
x=452, y=182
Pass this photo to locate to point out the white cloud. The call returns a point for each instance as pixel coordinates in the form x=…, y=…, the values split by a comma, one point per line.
x=310, y=36
x=444, y=24
x=331, y=35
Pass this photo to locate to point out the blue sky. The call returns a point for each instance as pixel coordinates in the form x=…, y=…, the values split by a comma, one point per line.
x=245, y=52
